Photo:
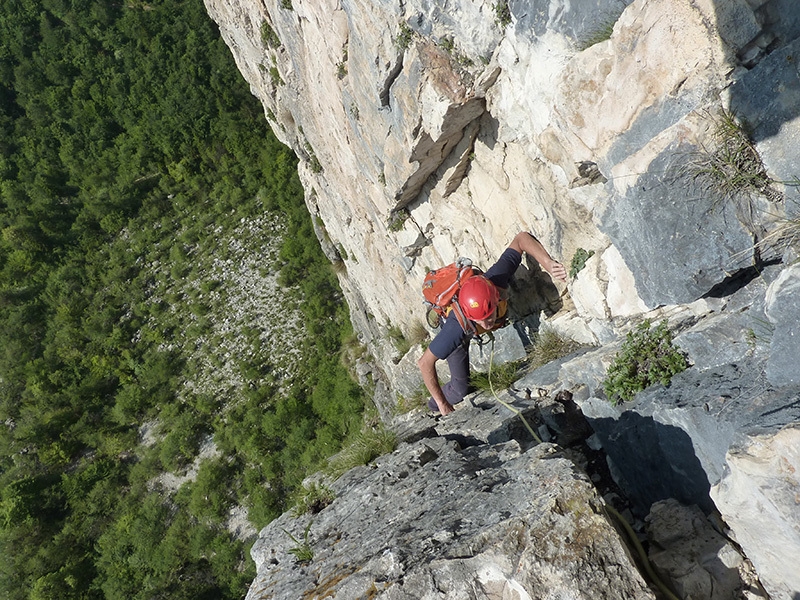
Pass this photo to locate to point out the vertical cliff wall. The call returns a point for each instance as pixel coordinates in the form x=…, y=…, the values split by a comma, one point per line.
x=429, y=131
x=660, y=134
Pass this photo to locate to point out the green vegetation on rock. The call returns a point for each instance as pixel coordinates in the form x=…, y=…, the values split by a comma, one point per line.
x=579, y=261
x=647, y=356
x=732, y=164
x=502, y=13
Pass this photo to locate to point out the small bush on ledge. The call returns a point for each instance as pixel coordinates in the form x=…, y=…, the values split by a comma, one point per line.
x=502, y=14
x=648, y=356
x=579, y=261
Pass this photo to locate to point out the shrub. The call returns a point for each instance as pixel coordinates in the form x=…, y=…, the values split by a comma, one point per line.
x=579, y=261
x=502, y=14
x=313, y=161
x=275, y=76
x=268, y=36
x=648, y=356
x=404, y=37
x=397, y=218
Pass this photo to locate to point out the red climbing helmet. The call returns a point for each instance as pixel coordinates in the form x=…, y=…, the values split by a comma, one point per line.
x=478, y=298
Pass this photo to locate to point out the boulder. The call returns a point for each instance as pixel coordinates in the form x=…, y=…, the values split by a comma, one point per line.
x=759, y=497
x=699, y=561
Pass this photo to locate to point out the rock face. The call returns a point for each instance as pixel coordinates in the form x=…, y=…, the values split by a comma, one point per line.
x=659, y=134
x=756, y=498
x=454, y=516
x=429, y=131
x=688, y=551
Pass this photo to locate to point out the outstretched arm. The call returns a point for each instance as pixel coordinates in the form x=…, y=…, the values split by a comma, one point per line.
x=427, y=366
x=525, y=242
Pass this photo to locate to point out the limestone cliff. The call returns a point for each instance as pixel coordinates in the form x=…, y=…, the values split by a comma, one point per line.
x=429, y=130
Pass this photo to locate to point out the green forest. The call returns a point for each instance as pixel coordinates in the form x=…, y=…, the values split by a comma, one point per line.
x=141, y=192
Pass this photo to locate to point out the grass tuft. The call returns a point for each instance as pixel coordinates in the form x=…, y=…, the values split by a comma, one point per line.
x=502, y=376
x=599, y=34
x=368, y=445
x=733, y=165
x=784, y=236
x=418, y=333
x=312, y=498
x=548, y=346
x=399, y=340
x=419, y=399
x=303, y=551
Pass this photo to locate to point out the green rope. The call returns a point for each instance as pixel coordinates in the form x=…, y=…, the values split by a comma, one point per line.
x=508, y=406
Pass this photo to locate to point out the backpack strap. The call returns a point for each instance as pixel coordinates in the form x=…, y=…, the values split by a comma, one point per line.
x=467, y=325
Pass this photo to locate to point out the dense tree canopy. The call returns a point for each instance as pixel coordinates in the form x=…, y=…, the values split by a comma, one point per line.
x=129, y=145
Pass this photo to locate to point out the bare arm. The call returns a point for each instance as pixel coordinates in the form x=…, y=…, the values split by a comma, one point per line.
x=427, y=366
x=525, y=242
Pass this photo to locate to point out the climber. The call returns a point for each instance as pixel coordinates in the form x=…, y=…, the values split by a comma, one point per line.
x=481, y=299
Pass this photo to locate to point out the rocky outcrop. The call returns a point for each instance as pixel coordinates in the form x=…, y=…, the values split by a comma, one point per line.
x=699, y=561
x=699, y=439
x=659, y=134
x=758, y=496
x=464, y=512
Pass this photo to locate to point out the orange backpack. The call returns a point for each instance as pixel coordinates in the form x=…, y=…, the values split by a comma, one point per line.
x=440, y=289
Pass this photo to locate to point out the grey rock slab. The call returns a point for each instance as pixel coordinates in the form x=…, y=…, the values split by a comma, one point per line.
x=672, y=442
x=768, y=99
x=579, y=20
x=783, y=311
x=678, y=239
x=757, y=497
x=433, y=520
x=507, y=347
x=722, y=339
x=687, y=551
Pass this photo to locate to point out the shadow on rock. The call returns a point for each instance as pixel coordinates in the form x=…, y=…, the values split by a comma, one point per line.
x=653, y=461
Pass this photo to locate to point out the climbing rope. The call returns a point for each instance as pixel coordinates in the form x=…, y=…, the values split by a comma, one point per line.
x=631, y=534
x=642, y=554
x=506, y=404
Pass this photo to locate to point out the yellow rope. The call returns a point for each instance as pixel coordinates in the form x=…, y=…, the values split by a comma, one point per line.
x=642, y=554
x=508, y=406
x=628, y=529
